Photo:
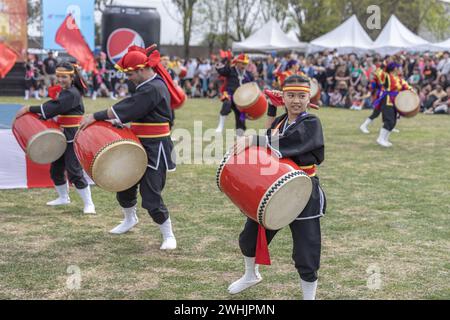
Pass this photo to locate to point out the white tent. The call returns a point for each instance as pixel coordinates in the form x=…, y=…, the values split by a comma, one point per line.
x=269, y=38
x=396, y=37
x=441, y=46
x=349, y=37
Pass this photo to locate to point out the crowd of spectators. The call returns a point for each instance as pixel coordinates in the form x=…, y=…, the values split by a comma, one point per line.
x=345, y=80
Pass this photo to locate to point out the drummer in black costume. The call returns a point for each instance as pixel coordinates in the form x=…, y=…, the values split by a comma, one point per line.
x=148, y=110
x=296, y=135
x=68, y=107
x=236, y=75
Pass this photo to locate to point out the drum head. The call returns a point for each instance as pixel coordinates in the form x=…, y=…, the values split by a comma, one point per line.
x=407, y=101
x=314, y=87
x=246, y=95
x=46, y=146
x=119, y=166
x=285, y=200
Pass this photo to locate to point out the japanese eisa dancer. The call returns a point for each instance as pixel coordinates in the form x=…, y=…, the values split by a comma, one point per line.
x=148, y=110
x=67, y=106
x=296, y=135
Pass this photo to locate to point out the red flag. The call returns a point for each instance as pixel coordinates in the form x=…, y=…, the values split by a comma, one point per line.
x=70, y=38
x=7, y=59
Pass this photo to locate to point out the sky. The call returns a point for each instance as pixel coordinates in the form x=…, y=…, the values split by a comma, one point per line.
x=171, y=31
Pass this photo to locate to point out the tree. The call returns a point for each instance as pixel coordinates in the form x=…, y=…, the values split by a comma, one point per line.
x=100, y=5
x=277, y=9
x=186, y=18
x=244, y=14
x=35, y=14
x=315, y=17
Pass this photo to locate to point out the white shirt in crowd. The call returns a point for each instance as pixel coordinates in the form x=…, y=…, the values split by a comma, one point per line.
x=204, y=70
x=191, y=67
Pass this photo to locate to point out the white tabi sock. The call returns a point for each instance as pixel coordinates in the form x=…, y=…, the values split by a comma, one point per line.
x=169, y=241
x=309, y=290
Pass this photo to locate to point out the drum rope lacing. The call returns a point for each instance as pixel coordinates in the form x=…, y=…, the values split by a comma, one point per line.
x=273, y=189
x=220, y=168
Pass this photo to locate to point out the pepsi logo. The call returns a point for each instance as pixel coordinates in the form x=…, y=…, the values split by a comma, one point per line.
x=119, y=41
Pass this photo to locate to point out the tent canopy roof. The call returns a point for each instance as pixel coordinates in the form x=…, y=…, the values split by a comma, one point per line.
x=348, y=37
x=395, y=37
x=269, y=37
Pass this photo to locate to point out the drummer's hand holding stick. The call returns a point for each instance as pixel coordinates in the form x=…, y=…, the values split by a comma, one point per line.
x=22, y=111
x=87, y=121
x=104, y=115
x=241, y=144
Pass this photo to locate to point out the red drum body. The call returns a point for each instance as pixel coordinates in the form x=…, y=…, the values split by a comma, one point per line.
x=42, y=140
x=250, y=100
x=407, y=103
x=315, y=91
x=268, y=190
x=113, y=157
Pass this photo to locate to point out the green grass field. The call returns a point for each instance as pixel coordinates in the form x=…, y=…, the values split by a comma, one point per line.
x=388, y=213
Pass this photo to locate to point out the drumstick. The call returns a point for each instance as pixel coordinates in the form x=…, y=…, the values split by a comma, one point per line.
x=151, y=48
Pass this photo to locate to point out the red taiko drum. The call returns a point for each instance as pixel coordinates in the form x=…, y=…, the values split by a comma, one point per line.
x=315, y=91
x=250, y=100
x=113, y=157
x=267, y=189
x=42, y=140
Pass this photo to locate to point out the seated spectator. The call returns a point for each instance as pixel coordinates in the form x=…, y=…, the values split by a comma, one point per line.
x=433, y=98
x=441, y=106
x=212, y=91
x=415, y=78
x=335, y=97
x=122, y=88
x=443, y=81
x=429, y=72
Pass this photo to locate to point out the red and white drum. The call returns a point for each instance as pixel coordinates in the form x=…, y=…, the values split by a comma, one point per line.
x=315, y=91
x=42, y=140
x=268, y=190
x=407, y=103
x=113, y=157
x=249, y=99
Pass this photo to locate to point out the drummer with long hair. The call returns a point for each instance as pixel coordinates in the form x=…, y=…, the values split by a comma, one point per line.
x=297, y=135
x=67, y=106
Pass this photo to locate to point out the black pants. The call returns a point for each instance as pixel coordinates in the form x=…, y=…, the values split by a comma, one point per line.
x=375, y=114
x=68, y=162
x=307, y=244
x=227, y=106
x=150, y=188
x=389, y=114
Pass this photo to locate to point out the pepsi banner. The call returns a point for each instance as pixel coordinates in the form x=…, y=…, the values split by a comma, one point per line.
x=123, y=27
x=54, y=13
